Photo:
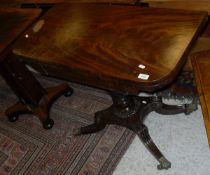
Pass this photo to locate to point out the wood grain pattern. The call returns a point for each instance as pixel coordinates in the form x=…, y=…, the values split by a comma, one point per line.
x=201, y=44
x=66, y=1
x=201, y=66
x=184, y=4
x=32, y=97
x=45, y=4
x=13, y=22
x=102, y=45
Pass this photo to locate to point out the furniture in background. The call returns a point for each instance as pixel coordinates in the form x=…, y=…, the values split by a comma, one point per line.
x=67, y=1
x=49, y=3
x=122, y=49
x=201, y=5
x=33, y=98
x=201, y=67
x=201, y=44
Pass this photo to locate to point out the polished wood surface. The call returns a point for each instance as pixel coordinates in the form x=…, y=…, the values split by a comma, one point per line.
x=201, y=66
x=201, y=44
x=46, y=4
x=177, y=4
x=66, y=1
x=10, y=4
x=33, y=98
x=13, y=22
x=102, y=45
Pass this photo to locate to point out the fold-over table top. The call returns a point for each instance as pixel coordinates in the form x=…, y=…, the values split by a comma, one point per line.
x=66, y=1
x=115, y=47
x=13, y=22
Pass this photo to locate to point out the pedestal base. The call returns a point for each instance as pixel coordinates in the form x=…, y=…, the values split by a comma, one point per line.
x=42, y=109
x=130, y=112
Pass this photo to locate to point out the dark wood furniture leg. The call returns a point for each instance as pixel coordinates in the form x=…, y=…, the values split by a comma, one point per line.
x=33, y=98
x=130, y=111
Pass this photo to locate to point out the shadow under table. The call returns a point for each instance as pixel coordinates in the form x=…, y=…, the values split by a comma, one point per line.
x=122, y=49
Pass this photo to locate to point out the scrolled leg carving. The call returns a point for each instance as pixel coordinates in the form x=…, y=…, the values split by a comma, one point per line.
x=166, y=109
x=130, y=111
x=98, y=125
x=171, y=109
x=144, y=136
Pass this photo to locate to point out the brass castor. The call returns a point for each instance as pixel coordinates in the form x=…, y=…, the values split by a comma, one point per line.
x=48, y=124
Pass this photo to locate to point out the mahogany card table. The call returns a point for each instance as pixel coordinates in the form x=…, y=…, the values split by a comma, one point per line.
x=122, y=49
x=33, y=98
x=45, y=4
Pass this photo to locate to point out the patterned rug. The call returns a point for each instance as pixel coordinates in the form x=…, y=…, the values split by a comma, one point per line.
x=26, y=148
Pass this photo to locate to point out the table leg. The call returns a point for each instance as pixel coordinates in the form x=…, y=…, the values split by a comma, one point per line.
x=33, y=98
x=130, y=112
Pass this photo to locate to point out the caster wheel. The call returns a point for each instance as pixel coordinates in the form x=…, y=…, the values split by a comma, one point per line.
x=13, y=117
x=48, y=124
x=69, y=92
